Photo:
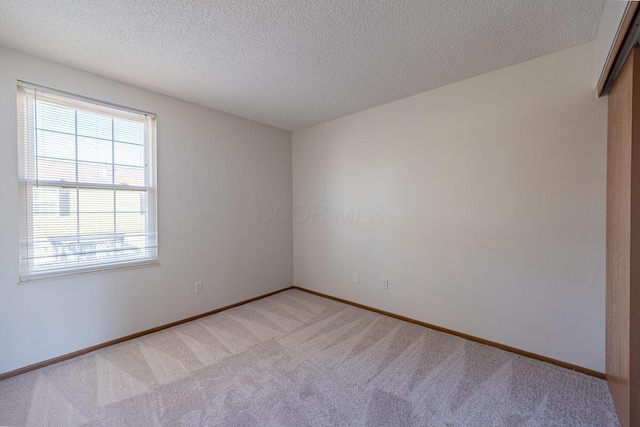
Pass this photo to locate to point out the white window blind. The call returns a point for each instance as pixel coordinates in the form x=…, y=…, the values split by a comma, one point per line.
x=87, y=184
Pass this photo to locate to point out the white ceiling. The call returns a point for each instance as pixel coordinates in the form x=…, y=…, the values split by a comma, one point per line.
x=294, y=63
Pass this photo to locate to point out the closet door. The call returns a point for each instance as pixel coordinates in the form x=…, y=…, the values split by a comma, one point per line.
x=623, y=242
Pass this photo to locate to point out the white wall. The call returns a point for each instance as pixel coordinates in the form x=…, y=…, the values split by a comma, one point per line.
x=482, y=202
x=214, y=172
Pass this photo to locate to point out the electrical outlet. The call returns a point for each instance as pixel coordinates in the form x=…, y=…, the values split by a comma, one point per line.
x=198, y=287
x=385, y=284
x=355, y=278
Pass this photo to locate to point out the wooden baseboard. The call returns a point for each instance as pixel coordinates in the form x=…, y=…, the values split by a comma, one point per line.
x=386, y=313
x=560, y=363
x=128, y=337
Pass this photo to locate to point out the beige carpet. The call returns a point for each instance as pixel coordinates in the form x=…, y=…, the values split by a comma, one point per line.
x=295, y=359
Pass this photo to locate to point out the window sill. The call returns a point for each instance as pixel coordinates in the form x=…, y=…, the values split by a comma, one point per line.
x=84, y=271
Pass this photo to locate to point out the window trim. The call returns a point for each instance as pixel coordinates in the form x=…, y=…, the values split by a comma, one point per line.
x=26, y=166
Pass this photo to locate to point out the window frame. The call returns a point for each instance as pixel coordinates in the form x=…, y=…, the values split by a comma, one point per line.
x=28, y=179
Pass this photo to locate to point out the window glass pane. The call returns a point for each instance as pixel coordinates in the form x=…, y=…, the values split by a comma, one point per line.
x=131, y=223
x=64, y=201
x=128, y=131
x=53, y=201
x=130, y=176
x=95, y=200
x=43, y=252
x=131, y=201
x=95, y=224
x=54, y=226
x=137, y=242
x=55, y=118
x=94, y=125
x=94, y=150
x=95, y=173
x=56, y=145
x=129, y=154
x=45, y=201
x=56, y=170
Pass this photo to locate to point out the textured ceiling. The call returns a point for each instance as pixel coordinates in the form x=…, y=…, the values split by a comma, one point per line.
x=294, y=63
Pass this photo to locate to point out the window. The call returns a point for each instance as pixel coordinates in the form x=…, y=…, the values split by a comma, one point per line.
x=87, y=184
